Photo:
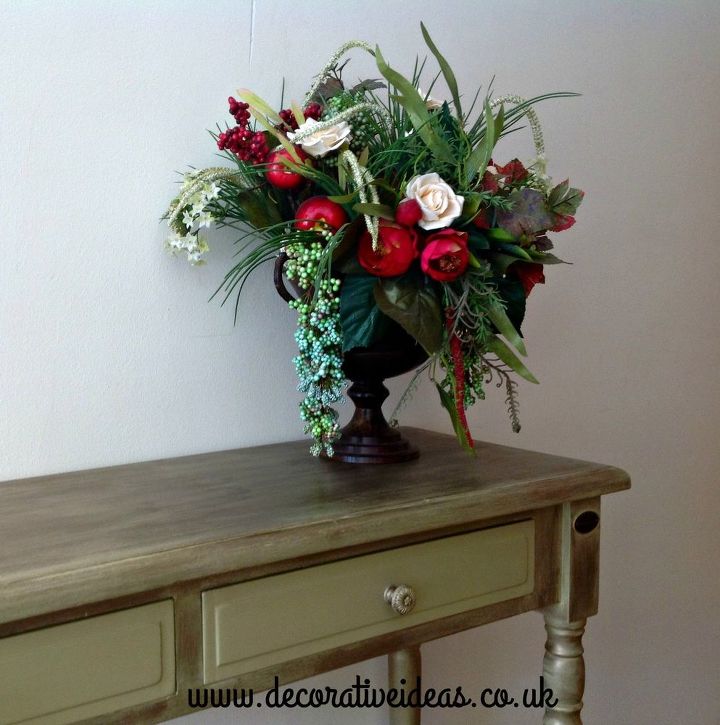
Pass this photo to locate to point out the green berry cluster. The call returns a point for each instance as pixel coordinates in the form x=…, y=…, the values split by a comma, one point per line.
x=361, y=123
x=303, y=261
x=319, y=341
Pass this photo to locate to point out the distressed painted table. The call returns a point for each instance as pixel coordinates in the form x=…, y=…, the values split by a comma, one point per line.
x=122, y=588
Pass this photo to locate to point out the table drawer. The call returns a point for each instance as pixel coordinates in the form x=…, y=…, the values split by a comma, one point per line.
x=94, y=666
x=264, y=622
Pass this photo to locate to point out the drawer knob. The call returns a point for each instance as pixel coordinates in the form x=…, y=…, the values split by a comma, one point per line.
x=401, y=598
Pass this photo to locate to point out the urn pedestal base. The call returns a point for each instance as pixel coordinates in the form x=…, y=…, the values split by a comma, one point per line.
x=368, y=438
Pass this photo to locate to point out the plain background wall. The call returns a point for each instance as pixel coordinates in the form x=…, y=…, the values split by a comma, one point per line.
x=110, y=353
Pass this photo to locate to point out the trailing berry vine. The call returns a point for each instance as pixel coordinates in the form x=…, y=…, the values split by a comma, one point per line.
x=319, y=340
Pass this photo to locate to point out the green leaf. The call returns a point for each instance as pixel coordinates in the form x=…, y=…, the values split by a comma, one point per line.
x=370, y=84
x=449, y=404
x=260, y=210
x=477, y=241
x=446, y=71
x=478, y=160
x=529, y=213
x=470, y=206
x=379, y=210
x=546, y=258
x=497, y=347
x=342, y=177
x=564, y=199
x=329, y=88
x=258, y=104
x=414, y=106
x=474, y=261
x=347, y=246
x=500, y=262
x=361, y=319
x=512, y=293
x=499, y=318
x=499, y=235
x=344, y=199
x=515, y=250
x=416, y=309
x=298, y=113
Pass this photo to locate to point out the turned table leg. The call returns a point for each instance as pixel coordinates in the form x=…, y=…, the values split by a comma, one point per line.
x=564, y=670
x=404, y=669
x=578, y=576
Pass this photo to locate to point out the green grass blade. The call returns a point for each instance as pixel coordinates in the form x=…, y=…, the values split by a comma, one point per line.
x=446, y=71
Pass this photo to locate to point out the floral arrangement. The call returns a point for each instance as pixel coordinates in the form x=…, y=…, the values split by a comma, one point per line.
x=391, y=211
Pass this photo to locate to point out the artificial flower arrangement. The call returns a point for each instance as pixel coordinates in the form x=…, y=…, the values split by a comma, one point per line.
x=390, y=211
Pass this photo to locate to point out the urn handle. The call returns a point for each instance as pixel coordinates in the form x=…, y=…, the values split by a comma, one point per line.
x=401, y=598
x=282, y=290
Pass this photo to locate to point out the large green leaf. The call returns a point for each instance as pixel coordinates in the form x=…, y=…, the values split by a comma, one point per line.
x=500, y=262
x=496, y=346
x=260, y=209
x=347, y=246
x=361, y=319
x=505, y=327
x=529, y=213
x=477, y=241
x=446, y=71
x=512, y=292
x=449, y=404
x=416, y=309
x=414, y=106
x=481, y=154
x=564, y=199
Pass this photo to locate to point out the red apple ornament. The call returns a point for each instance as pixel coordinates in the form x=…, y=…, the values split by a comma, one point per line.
x=319, y=213
x=280, y=175
x=408, y=213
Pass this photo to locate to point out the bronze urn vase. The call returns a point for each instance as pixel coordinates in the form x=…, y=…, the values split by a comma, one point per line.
x=368, y=438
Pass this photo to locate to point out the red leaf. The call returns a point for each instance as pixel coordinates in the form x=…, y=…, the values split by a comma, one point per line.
x=529, y=274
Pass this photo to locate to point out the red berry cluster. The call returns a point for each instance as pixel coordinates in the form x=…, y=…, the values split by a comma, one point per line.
x=312, y=110
x=247, y=145
x=239, y=110
x=288, y=118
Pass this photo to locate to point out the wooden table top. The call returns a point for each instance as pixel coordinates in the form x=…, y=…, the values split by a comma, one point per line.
x=91, y=535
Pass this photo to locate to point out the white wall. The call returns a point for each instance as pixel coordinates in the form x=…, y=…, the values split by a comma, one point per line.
x=109, y=352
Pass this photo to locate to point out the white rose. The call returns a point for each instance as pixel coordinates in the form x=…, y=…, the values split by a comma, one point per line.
x=440, y=205
x=324, y=140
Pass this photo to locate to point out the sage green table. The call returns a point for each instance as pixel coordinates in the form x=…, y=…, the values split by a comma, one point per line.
x=123, y=587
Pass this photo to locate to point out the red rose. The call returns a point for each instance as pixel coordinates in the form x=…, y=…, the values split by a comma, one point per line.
x=445, y=256
x=396, y=250
x=529, y=274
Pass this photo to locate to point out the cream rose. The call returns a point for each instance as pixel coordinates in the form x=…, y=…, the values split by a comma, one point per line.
x=322, y=141
x=439, y=204
x=432, y=104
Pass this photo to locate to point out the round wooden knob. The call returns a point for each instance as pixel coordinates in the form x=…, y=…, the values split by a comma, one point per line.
x=401, y=598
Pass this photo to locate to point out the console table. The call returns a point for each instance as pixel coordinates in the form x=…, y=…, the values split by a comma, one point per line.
x=122, y=588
